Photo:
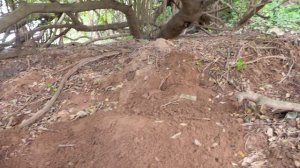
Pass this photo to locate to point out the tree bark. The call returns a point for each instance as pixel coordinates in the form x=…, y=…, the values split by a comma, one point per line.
x=80, y=27
x=190, y=12
x=27, y=9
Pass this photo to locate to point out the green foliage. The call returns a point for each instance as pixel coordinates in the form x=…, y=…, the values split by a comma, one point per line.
x=164, y=16
x=240, y=64
x=129, y=37
x=283, y=16
x=52, y=88
x=231, y=16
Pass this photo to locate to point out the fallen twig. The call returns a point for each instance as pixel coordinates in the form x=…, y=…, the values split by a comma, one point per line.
x=164, y=80
x=66, y=145
x=266, y=101
x=289, y=72
x=259, y=124
x=48, y=105
x=171, y=102
x=266, y=57
x=211, y=63
x=28, y=102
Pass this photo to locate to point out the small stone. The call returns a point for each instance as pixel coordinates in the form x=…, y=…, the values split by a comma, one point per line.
x=197, y=142
x=269, y=132
x=272, y=139
x=183, y=124
x=287, y=95
x=263, y=117
x=219, y=124
x=177, y=135
x=234, y=164
x=70, y=164
x=214, y=145
x=188, y=97
x=297, y=163
x=231, y=94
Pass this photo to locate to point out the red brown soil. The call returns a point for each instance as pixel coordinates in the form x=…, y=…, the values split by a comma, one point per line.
x=142, y=121
x=131, y=136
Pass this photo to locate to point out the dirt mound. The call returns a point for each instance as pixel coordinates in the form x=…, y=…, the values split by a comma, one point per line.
x=157, y=104
x=160, y=120
x=112, y=140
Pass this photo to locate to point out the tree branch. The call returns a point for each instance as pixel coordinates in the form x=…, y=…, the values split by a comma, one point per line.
x=113, y=26
x=27, y=9
x=56, y=37
x=252, y=11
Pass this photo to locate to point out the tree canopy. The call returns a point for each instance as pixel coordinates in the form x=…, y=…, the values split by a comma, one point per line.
x=45, y=22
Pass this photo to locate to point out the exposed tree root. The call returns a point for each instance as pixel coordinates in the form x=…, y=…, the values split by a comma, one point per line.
x=263, y=100
x=48, y=105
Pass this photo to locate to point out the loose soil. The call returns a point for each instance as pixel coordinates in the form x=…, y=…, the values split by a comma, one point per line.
x=156, y=104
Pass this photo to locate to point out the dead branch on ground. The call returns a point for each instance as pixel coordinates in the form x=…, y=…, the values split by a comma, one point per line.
x=266, y=101
x=49, y=104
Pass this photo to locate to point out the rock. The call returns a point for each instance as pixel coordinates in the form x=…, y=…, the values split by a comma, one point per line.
x=176, y=135
x=297, y=163
x=183, y=124
x=197, y=142
x=188, y=97
x=71, y=164
x=214, y=145
x=269, y=132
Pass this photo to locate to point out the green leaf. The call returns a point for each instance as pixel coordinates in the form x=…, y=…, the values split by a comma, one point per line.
x=240, y=64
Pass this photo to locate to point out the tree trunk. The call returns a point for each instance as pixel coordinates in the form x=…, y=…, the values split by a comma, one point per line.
x=190, y=12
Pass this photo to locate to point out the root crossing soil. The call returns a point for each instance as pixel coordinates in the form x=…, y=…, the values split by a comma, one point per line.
x=154, y=105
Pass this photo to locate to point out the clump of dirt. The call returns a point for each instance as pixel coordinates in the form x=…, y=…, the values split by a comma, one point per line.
x=157, y=104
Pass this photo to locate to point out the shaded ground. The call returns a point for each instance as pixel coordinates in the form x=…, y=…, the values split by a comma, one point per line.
x=157, y=104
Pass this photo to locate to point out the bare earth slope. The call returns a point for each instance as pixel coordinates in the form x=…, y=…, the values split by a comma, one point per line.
x=157, y=104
